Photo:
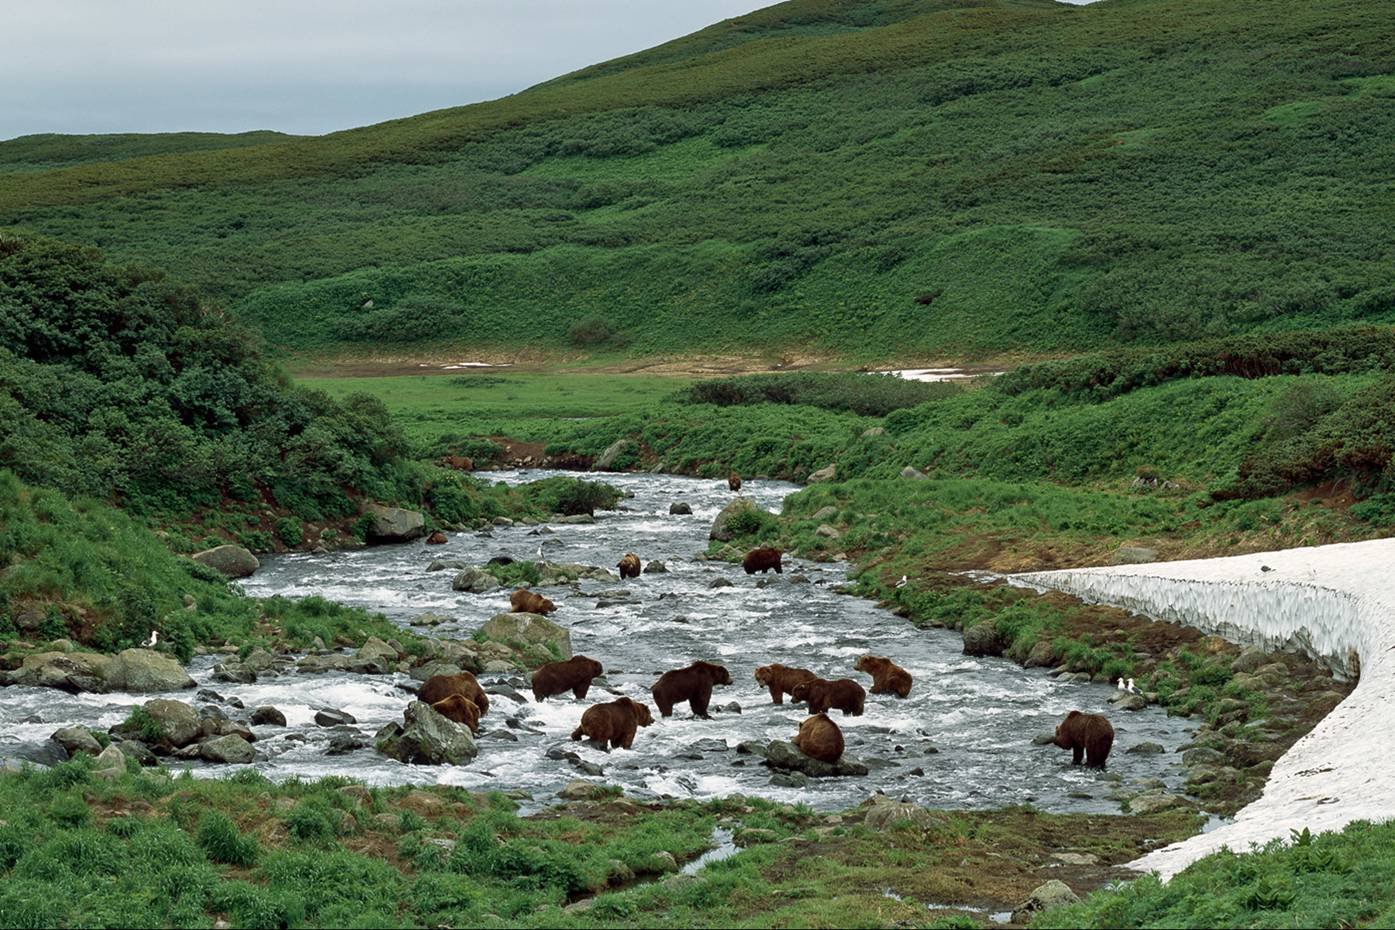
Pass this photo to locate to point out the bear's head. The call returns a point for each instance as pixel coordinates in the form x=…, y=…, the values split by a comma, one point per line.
x=641, y=711
x=801, y=691
x=1066, y=740
x=593, y=668
x=764, y=674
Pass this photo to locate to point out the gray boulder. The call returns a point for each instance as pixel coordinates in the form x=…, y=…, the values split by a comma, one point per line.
x=1044, y=897
x=426, y=738
x=827, y=473
x=268, y=716
x=655, y=567
x=176, y=723
x=144, y=671
x=783, y=755
x=393, y=524
x=232, y=561
x=913, y=474
x=606, y=460
x=721, y=531
x=334, y=718
x=375, y=650
x=110, y=764
x=884, y=814
x=528, y=629
x=983, y=639
x=475, y=581
x=70, y=671
x=77, y=739
x=680, y=509
x=230, y=749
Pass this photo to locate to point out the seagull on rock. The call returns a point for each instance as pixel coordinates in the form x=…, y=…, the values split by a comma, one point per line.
x=154, y=638
x=1120, y=684
x=1131, y=689
x=902, y=583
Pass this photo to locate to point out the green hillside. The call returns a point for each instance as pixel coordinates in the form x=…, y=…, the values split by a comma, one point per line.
x=884, y=178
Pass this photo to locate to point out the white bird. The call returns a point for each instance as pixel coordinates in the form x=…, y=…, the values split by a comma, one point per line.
x=1131, y=689
x=1120, y=683
x=539, y=550
x=903, y=582
x=154, y=638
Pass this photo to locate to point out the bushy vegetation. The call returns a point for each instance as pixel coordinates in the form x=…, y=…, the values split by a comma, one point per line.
x=867, y=395
x=572, y=496
x=913, y=179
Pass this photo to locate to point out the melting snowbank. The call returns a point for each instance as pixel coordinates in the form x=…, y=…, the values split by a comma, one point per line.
x=1337, y=603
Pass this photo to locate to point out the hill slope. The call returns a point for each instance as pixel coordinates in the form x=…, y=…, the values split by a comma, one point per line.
x=908, y=178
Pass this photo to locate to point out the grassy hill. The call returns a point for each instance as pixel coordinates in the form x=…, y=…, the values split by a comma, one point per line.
x=884, y=178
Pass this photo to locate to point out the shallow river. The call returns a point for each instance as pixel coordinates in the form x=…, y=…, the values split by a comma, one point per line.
x=979, y=714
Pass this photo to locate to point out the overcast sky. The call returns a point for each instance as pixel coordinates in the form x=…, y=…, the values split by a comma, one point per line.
x=303, y=66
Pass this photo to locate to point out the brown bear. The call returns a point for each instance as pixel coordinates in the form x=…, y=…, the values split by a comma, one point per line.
x=844, y=694
x=692, y=684
x=1090, y=735
x=573, y=675
x=734, y=481
x=439, y=687
x=819, y=738
x=782, y=679
x=436, y=539
x=614, y=723
x=459, y=462
x=887, y=676
x=524, y=601
x=629, y=566
x=461, y=710
x=762, y=560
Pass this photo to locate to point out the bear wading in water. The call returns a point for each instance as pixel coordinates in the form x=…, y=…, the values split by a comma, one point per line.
x=1090, y=735
x=524, y=601
x=573, y=675
x=844, y=694
x=461, y=710
x=782, y=679
x=629, y=566
x=615, y=723
x=819, y=738
x=734, y=481
x=762, y=560
x=887, y=676
x=692, y=684
x=439, y=687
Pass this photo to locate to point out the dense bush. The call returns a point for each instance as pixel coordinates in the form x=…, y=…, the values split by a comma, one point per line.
x=572, y=496
x=868, y=395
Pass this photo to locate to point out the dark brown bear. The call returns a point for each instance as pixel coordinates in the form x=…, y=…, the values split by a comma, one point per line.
x=614, y=723
x=573, y=675
x=887, y=676
x=844, y=694
x=734, y=481
x=459, y=462
x=439, y=687
x=762, y=560
x=782, y=679
x=1090, y=735
x=459, y=709
x=629, y=566
x=692, y=684
x=436, y=539
x=524, y=601
x=819, y=738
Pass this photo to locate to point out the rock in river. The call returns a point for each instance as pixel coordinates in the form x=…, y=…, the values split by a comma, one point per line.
x=393, y=524
x=143, y=671
x=425, y=737
x=721, y=531
x=527, y=628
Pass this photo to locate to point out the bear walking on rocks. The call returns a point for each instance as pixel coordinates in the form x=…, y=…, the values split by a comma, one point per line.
x=461, y=710
x=782, y=679
x=844, y=694
x=439, y=687
x=614, y=723
x=1090, y=735
x=734, y=481
x=573, y=675
x=629, y=566
x=887, y=676
x=524, y=601
x=762, y=560
x=692, y=684
x=819, y=738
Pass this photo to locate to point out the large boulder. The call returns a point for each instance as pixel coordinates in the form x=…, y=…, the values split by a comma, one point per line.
x=393, y=524
x=475, y=581
x=612, y=452
x=144, y=671
x=231, y=749
x=1044, y=897
x=110, y=764
x=425, y=737
x=827, y=473
x=375, y=650
x=983, y=639
x=70, y=671
x=175, y=725
x=513, y=629
x=232, y=561
x=77, y=739
x=786, y=757
x=884, y=813
x=721, y=531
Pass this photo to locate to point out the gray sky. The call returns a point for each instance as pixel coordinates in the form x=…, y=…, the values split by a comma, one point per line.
x=304, y=66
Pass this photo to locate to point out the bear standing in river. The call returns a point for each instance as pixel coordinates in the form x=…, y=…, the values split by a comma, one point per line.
x=524, y=601
x=782, y=679
x=692, y=684
x=819, y=738
x=762, y=560
x=629, y=566
x=614, y=723
x=439, y=687
x=1090, y=735
x=844, y=694
x=573, y=675
x=887, y=676
x=459, y=709
x=734, y=481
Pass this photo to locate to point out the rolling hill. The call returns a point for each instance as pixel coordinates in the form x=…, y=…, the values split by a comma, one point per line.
x=906, y=179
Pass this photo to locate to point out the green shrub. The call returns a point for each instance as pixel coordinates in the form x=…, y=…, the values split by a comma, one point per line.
x=290, y=531
x=223, y=842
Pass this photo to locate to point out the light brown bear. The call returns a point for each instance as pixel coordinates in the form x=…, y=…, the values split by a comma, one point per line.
x=573, y=675
x=436, y=539
x=523, y=601
x=439, y=687
x=819, y=738
x=692, y=684
x=614, y=723
x=844, y=694
x=887, y=676
x=782, y=679
x=629, y=566
x=461, y=710
x=762, y=560
x=1088, y=735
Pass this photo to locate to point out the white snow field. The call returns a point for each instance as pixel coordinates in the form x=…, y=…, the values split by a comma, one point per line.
x=1335, y=602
